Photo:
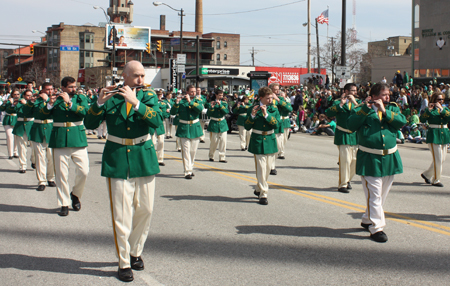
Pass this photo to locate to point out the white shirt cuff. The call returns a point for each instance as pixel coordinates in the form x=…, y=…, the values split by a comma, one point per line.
x=49, y=106
x=100, y=105
x=136, y=108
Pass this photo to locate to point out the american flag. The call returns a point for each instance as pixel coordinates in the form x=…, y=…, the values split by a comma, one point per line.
x=323, y=18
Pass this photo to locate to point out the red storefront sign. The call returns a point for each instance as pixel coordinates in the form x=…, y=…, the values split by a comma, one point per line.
x=80, y=75
x=286, y=76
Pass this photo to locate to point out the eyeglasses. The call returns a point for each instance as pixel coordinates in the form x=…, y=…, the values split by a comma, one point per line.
x=439, y=99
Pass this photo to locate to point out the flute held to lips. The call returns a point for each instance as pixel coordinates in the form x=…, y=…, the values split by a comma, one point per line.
x=137, y=87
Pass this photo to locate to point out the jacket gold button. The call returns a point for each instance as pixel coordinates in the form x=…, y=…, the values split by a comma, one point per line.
x=67, y=129
x=128, y=150
x=128, y=128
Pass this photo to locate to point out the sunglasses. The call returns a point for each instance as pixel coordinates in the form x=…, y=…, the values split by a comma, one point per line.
x=439, y=99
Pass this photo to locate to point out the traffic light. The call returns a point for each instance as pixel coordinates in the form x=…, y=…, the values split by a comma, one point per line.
x=31, y=49
x=159, y=46
x=148, y=49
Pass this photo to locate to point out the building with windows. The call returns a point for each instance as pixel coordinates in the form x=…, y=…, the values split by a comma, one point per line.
x=431, y=33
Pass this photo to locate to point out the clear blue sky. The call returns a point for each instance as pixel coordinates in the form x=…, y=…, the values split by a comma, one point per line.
x=277, y=33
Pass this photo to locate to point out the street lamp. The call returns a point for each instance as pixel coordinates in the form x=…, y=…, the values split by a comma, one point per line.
x=181, y=14
x=113, y=54
x=309, y=45
x=36, y=31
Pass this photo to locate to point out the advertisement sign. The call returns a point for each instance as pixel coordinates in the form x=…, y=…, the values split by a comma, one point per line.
x=219, y=71
x=286, y=76
x=173, y=73
x=128, y=37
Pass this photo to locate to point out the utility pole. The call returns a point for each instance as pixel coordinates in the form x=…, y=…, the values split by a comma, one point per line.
x=318, y=52
x=332, y=59
x=309, y=36
x=197, y=62
x=343, y=33
x=253, y=53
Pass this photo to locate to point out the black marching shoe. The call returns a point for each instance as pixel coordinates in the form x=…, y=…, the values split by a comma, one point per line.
x=211, y=159
x=10, y=157
x=33, y=166
x=188, y=176
x=125, y=275
x=439, y=184
x=162, y=164
x=51, y=184
x=281, y=157
x=16, y=156
x=256, y=193
x=425, y=179
x=379, y=236
x=223, y=161
x=136, y=263
x=366, y=226
x=263, y=201
x=343, y=190
x=64, y=211
x=192, y=175
x=349, y=186
x=76, y=205
x=22, y=171
x=273, y=172
x=202, y=141
x=40, y=188
x=242, y=149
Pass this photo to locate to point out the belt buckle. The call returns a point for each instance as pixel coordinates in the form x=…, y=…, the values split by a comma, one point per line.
x=220, y=119
x=264, y=133
x=385, y=152
x=191, y=121
x=128, y=142
x=68, y=124
x=441, y=126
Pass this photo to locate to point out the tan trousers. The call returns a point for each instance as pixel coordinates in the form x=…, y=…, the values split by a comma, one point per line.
x=188, y=151
x=102, y=130
x=285, y=138
x=244, y=136
x=22, y=144
x=168, y=127
x=177, y=140
x=347, y=164
x=218, y=141
x=61, y=158
x=202, y=123
x=158, y=142
x=131, y=210
x=280, y=143
x=11, y=145
x=434, y=172
x=45, y=171
x=263, y=165
x=376, y=190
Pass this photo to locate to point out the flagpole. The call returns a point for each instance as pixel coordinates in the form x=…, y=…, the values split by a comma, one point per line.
x=328, y=26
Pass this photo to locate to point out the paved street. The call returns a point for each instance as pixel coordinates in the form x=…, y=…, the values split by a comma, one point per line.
x=211, y=231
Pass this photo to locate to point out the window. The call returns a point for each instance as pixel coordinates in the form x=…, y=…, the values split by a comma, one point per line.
x=88, y=38
x=416, y=16
x=218, y=45
x=218, y=57
x=225, y=44
x=225, y=57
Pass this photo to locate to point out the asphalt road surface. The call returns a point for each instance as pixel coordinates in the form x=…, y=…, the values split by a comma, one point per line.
x=211, y=231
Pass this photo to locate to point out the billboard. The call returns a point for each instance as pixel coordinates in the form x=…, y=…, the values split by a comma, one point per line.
x=128, y=37
x=286, y=76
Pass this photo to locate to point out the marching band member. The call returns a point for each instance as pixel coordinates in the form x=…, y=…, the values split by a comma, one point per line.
x=129, y=163
x=241, y=110
x=217, y=127
x=69, y=142
x=438, y=137
x=189, y=129
x=168, y=102
x=158, y=136
x=262, y=119
x=203, y=119
x=9, y=120
x=344, y=139
x=378, y=159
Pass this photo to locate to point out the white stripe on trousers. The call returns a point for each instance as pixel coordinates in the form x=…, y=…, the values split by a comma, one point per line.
x=188, y=151
x=244, y=136
x=61, y=158
x=45, y=171
x=263, y=163
x=158, y=142
x=376, y=190
x=347, y=164
x=434, y=172
x=218, y=141
x=131, y=210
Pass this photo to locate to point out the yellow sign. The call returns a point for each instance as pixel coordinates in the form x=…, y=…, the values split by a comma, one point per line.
x=19, y=79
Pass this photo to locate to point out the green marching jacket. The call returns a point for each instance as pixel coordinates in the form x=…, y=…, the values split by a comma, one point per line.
x=284, y=109
x=22, y=127
x=39, y=131
x=241, y=112
x=263, y=143
x=434, y=117
x=127, y=161
x=70, y=136
x=380, y=135
x=217, y=112
x=342, y=137
x=188, y=112
x=162, y=107
x=9, y=119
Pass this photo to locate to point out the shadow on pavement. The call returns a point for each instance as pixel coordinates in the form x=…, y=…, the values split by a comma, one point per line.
x=308, y=168
x=52, y=264
x=423, y=217
x=17, y=186
x=26, y=209
x=211, y=198
x=310, y=231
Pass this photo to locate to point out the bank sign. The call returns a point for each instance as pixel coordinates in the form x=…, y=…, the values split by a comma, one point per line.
x=173, y=73
x=218, y=71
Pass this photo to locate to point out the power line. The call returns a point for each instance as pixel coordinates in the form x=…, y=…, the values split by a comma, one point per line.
x=249, y=11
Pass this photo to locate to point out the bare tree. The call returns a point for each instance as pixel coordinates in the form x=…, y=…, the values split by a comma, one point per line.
x=353, y=50
x=35, y=73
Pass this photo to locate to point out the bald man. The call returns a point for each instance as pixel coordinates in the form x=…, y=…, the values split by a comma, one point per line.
x=129, y=162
